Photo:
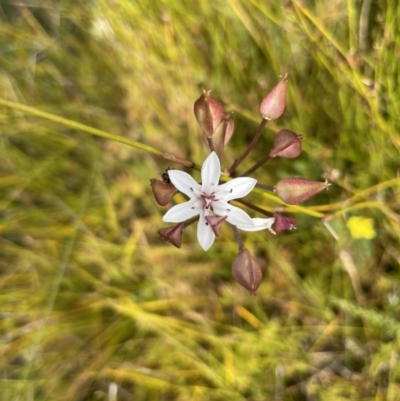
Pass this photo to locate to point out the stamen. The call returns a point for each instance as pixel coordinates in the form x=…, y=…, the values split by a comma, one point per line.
x=231, y=190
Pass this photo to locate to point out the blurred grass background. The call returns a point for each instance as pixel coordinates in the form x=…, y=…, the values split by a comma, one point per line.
x=93, y=302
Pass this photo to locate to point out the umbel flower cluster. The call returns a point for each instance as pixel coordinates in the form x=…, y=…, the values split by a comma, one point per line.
x=209, y=201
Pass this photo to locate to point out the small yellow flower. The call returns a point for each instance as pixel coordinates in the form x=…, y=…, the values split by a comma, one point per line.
x=361, y=227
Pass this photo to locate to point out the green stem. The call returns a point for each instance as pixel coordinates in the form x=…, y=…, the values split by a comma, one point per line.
x=97, y=132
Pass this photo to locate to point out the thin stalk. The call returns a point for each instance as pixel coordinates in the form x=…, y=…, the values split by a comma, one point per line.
x=256, y=166
x=97, y=132
x=237, y=237
x=190, y=221
x=210, y=143
x=266, y=187
x=250, y=147
x=254, y=207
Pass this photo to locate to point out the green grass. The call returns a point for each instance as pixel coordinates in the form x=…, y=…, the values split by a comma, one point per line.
x=92, y=94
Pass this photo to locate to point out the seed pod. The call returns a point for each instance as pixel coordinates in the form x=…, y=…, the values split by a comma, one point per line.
x=215, y=223
x=223, y=134
x=163, y=191
x=283, y=223
x=287, y=144
x=297, y=190
x=246, y=271
x=173, y=235
x=208, y=112
x=274, y=103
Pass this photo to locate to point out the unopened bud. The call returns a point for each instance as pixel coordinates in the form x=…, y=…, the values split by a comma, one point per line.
x=287, y=144
x=215, y=223
x=208, y=112
x=274, y=103
x=163, y=191
x=297, y=190
x=223, y=134
x=246, y=271
x=173, y=235
x=283, y=223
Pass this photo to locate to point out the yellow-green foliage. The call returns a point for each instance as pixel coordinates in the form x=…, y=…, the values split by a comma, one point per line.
x=91, y=94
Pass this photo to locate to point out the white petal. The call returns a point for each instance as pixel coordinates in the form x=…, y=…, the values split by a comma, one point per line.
x=236, y=216
x=210, y=173
x=259, y=224
x=184, y=183
x=205, y=234
x=236, y=188
x=182, y=212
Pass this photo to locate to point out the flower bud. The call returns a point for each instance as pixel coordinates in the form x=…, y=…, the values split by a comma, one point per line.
x=286, y=144
x=223, y=134
x=246, y=271
x=274, y=103
x=297, y=190
x=208, y=112
x=283, y=223
x=173, y=235
x=163, y=191
x=215, y=223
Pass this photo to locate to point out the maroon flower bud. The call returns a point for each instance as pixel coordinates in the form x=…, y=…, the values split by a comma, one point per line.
x=208, y=112
x=297, y=190
x=283, y=223
x=287, y=144
x=223, y=134
x=246, y=271
x=163, y=191
x=215, y=223
x=274, y=103
x=173, y=235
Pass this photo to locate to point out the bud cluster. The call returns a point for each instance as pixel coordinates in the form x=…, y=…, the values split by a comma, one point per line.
x=209, y=201
x=217, y=127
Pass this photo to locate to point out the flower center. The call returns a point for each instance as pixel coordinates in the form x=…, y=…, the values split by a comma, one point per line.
x=208, y=199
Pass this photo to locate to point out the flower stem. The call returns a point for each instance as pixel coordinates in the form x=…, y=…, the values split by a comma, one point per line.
x=254, y=207
x=266, y=187
x=210, y=143
x=190, y=221
x=256, y=166
x=250, y=147
x=237, y=237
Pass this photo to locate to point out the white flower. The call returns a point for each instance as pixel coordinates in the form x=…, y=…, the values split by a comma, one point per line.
x=259, y=224
x=209, y=198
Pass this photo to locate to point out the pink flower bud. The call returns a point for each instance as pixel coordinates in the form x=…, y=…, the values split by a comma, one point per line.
x=297, y=190
x=246, y=271
x=274, y=103
x=287, y=144
x=223, y=134
x=215, y=223
x=208, y=112
x=173, y=235
x=163, y=191
x=283, y=223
